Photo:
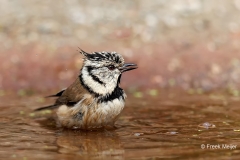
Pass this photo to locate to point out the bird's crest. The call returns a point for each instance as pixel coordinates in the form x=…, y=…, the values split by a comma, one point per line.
x=103, y=56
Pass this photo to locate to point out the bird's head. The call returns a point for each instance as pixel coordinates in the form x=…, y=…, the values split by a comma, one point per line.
x=101, y=71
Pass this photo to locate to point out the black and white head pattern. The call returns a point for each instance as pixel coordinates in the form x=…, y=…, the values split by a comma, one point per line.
x=100, y=73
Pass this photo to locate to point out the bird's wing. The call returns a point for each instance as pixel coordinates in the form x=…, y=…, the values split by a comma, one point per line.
x=57, y=94
x=70, y=96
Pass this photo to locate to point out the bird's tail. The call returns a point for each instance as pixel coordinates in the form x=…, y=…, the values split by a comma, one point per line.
x=46, y=107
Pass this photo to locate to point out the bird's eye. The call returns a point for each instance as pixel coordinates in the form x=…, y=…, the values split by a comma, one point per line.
x=111, y=67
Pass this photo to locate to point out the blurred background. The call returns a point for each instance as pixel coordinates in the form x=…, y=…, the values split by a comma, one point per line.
x=191, y=45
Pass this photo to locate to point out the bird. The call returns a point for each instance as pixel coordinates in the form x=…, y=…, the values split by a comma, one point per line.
x=95, y=99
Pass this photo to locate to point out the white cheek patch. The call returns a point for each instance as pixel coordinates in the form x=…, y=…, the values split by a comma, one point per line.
x=97, y=87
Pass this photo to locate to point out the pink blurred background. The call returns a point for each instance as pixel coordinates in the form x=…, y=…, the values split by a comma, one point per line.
x=192, y=45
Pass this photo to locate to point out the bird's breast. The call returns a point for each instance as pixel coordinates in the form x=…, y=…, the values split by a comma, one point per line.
x=96, y=115
x=111, y=108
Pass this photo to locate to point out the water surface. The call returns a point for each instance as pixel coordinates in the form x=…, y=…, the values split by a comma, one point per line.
x=166, y=126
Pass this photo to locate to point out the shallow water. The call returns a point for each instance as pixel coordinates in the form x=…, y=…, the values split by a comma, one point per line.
x=165, y=126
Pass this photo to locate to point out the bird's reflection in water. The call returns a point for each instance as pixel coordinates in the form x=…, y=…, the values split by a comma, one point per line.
x=92, y=143
x=74, y=144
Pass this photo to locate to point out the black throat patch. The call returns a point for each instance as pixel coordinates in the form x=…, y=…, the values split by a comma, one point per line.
x=116, y=94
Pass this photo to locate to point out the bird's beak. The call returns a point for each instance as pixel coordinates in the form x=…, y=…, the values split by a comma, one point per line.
x=128, y=67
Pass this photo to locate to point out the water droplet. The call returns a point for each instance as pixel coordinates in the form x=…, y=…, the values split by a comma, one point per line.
x=206, y=125
x=138, y=134
x=172, y=133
